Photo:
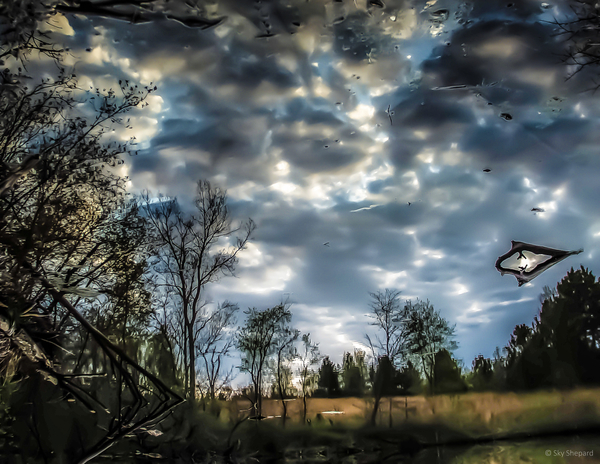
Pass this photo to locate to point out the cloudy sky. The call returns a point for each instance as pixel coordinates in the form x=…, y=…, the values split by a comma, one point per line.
x=368, y=128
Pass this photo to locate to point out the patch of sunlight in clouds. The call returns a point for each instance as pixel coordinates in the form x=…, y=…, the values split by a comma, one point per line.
x=252, y=256
x=261, y=280
x=57, y=24
x=179, y=156
x=410, y=180
x=459, y=289
x=282, y=168
x=362, y=112
x=503, y=48
x=403, y=25
x=142, y=128
x=319, y=88
x=385, y=278
x=510, y=302
x=245, y=191
x=284, y=187
x=474, y=314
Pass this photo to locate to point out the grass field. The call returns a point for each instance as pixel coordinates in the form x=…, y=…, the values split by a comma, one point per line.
x=469, y=428
x=474, y=414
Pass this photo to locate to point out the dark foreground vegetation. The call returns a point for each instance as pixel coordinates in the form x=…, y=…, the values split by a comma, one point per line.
x=109, y=349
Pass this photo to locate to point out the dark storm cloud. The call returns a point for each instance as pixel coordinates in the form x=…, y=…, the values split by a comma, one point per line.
x=315, y=111
x=468, y=61
x=515, y=10
x=245, y=70
x=430, y=109
x=316, y=155
x=218, y=138
x=289, y=227
x=503, y=141
x=270, y=18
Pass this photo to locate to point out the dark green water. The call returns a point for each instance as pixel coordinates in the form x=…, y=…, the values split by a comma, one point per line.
x=557, y=450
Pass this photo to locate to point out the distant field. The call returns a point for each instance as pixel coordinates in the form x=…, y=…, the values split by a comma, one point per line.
x=472, y=413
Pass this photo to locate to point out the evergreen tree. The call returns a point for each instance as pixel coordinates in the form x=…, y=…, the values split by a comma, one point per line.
x=329, y=378
x=446, y=374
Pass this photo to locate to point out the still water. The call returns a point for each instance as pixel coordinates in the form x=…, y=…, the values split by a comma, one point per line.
x=555, y=450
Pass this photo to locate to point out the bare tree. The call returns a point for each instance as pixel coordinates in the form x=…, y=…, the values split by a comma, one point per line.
x=257, y=342
x=285, y=352
x=185, y=247
x=214, y=343
x=309, y=356
x=581, y=31
x=387, y=312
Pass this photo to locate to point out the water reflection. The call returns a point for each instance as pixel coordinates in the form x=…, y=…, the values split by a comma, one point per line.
x=556, y=450
x=552, y=451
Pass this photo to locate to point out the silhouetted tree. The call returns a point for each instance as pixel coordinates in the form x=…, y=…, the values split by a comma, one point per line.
x=387, y=312
x=257, y=342
x=309, y=356
x=569, y=324
x=562, y=346
x=482, y=373
x=354, y=373
x=185, y=248
x=214, y=344
x=384, y=384
x=447, y=375
x=329, y=377
x=427, y=333
x=409, y=379
x=285, y=352
x=581, y=32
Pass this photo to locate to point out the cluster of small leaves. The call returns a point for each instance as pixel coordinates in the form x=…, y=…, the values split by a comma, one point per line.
x=57, y=195
x=19, y=33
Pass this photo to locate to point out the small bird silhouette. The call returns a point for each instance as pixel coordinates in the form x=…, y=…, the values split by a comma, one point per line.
x=487, y=170
x=326, y=244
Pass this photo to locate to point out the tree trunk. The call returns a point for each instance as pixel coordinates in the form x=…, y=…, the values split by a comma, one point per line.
x=281, y=392
x=304, y=411
x=192, y=359
x=257, y=400
x=284, y=408
x=375, y=409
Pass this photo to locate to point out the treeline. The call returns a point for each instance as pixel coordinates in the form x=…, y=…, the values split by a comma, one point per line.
x=560, y=349
x=413, y=352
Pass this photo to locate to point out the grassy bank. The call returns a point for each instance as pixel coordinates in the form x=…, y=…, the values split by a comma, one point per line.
x=218, y=433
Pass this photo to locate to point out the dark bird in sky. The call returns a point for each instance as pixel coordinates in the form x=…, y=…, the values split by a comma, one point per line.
x=538, y=210
x=326, y=244
x=487, y=170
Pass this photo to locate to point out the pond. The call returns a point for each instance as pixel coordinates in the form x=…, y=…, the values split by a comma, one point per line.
x=333, y=199
x=558, y=450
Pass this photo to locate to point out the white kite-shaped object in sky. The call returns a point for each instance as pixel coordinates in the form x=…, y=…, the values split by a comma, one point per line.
x=531, y=260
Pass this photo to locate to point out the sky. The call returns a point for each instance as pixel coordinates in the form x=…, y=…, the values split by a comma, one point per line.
x=369, y=129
